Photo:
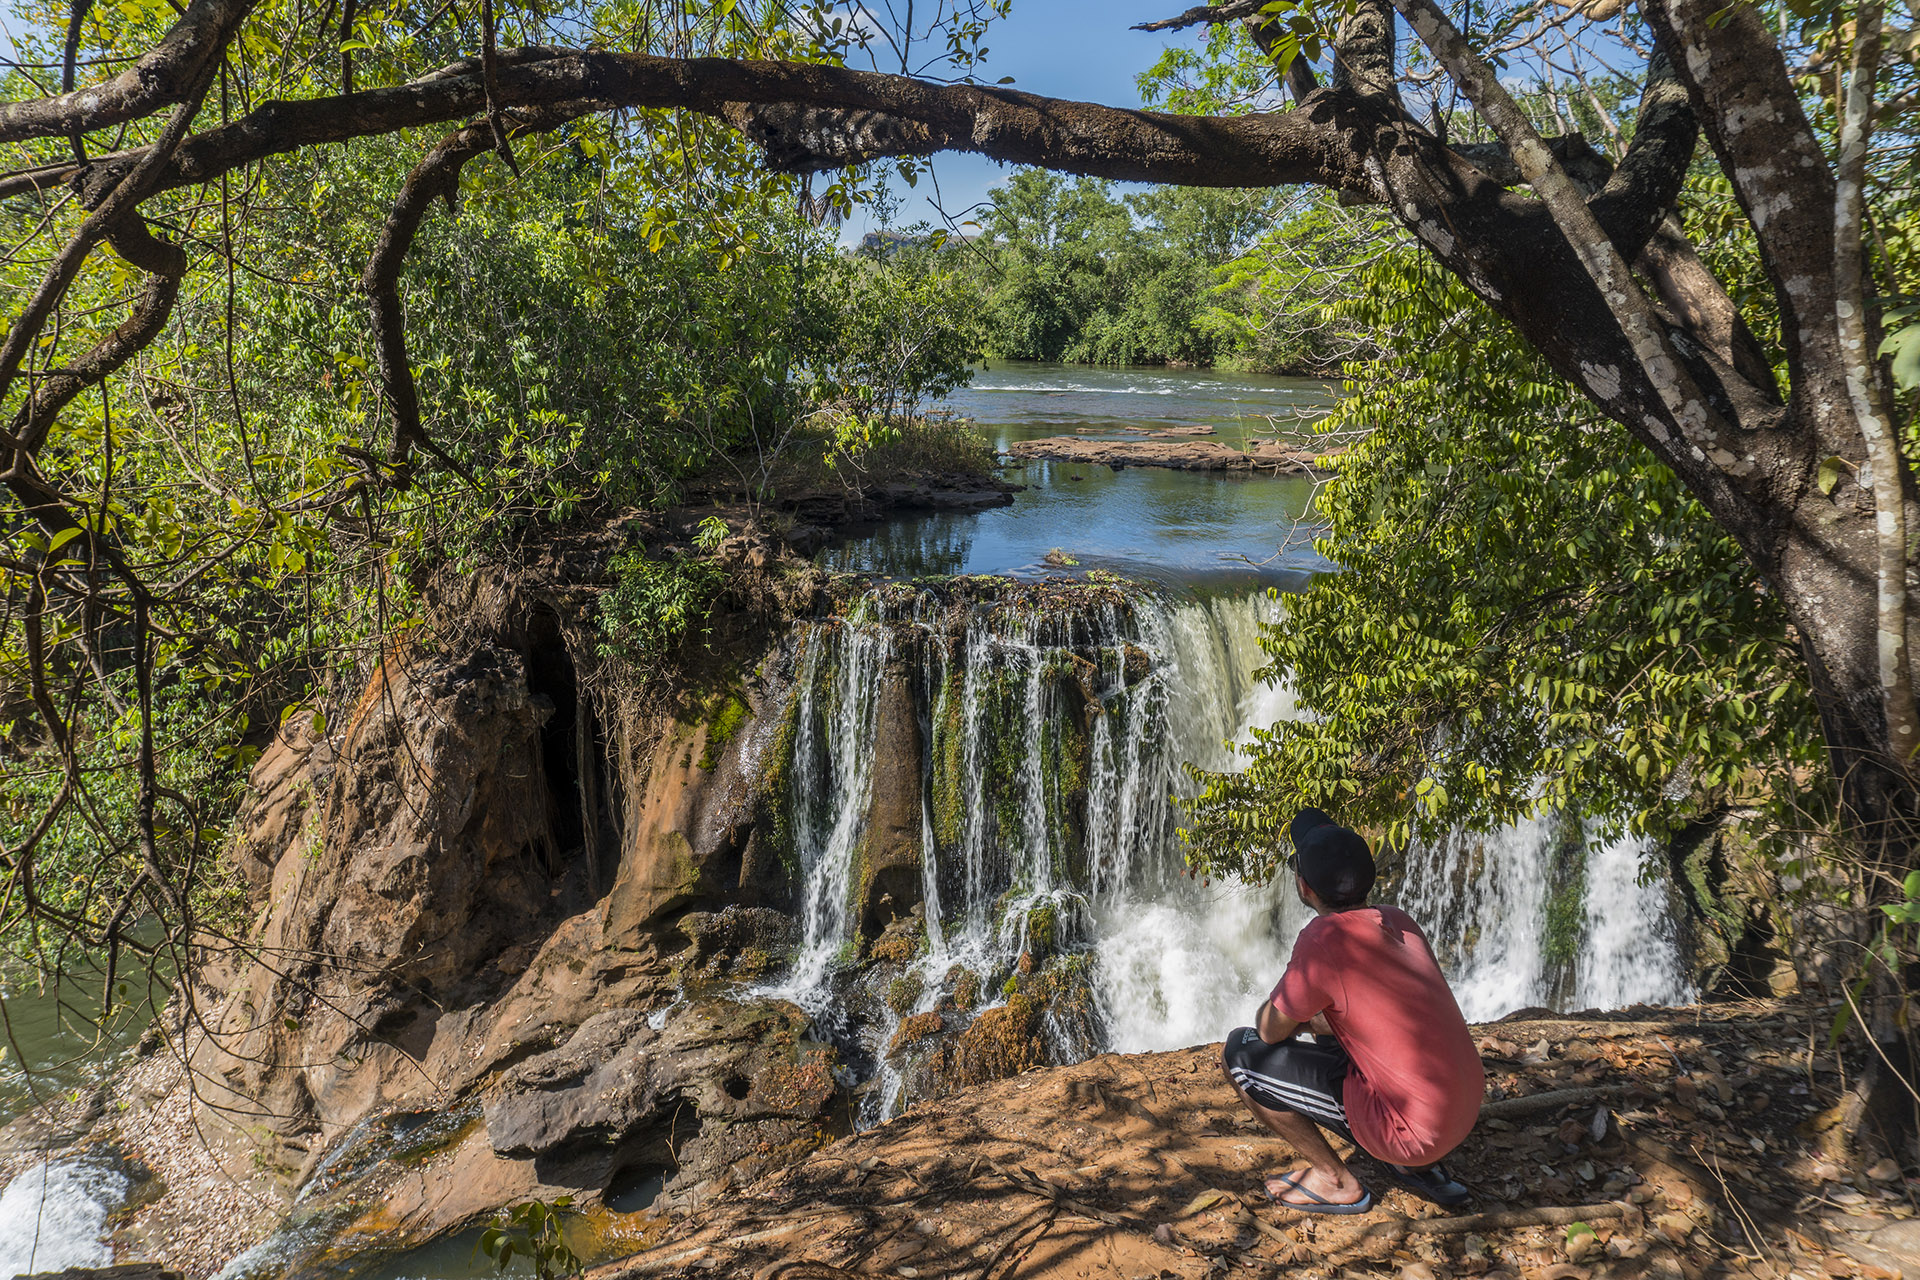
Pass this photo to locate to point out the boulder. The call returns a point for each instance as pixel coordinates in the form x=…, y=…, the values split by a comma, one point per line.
x=890, y=853
x=620, y=1093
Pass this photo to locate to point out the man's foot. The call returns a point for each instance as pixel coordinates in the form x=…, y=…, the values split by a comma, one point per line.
x=1311, y=1191
x=1432, y=1183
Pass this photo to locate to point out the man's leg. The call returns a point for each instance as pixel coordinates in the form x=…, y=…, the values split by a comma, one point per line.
x=1326, y=1174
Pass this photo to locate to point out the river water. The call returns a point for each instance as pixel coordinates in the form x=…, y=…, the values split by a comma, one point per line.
x=1172, y=961
x=1182, y=528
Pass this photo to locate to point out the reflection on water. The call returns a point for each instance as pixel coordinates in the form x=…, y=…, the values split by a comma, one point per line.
x=1150, y=522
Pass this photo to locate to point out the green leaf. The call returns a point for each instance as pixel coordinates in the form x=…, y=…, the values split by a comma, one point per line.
x=1829, y=473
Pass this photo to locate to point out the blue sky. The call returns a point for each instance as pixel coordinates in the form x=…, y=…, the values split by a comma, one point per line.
x=1080, y=49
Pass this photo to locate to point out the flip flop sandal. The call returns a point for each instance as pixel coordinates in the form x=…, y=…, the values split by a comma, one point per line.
x=1320, y=1204
x=1433, y=1183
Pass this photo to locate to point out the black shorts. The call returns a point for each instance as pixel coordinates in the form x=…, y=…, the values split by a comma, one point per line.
x=1299, y=1075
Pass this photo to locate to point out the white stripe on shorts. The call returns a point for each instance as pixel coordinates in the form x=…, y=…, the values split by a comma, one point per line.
x=1307, y=1101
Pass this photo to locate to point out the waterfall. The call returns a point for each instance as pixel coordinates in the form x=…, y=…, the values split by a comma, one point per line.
x=833, y=776
x=1631, y=951
x=1054, y=726
x=54, y=1216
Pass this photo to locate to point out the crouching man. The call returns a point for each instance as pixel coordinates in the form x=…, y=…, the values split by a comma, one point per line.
x=1392, y=1067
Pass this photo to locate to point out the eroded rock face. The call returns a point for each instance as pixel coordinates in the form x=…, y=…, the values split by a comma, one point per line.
x=410, y=855
x=716, y=1084
x=436, y=941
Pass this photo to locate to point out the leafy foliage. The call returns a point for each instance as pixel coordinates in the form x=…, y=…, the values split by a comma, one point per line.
x=534, y=1230
x=1068, y=271
x=1533, y=615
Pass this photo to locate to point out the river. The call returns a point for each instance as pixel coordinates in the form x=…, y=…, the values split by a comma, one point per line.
x=1181, y=528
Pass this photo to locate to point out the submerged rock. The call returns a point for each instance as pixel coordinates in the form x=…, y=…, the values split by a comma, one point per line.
x=1266, y=456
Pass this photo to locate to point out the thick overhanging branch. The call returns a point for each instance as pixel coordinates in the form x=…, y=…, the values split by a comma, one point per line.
x=1258, y=150
x=169, y=73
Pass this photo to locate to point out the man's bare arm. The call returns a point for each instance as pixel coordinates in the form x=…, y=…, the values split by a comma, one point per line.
x=1273, y=1025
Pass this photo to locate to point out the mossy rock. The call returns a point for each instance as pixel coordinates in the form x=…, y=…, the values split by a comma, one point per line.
x=896, y=946
x=724, y=723
x=915, y=1029
x=1001, y=1042
x=904, y=992
x=966, y=989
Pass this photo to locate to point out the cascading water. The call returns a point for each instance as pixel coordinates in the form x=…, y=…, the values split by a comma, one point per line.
x=1054, y=731
x=54, y=1216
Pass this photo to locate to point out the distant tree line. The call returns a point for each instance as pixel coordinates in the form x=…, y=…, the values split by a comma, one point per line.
x=1070, y=269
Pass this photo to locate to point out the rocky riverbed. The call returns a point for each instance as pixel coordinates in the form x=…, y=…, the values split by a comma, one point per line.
x=1270, y=457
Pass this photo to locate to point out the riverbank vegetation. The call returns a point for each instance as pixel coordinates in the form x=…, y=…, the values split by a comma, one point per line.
x=590, y=331
x=1073, y=270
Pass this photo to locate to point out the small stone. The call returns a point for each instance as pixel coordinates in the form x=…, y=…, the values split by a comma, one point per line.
x=1674, y=1226
x=1884, y=1171
x=1584, y=1170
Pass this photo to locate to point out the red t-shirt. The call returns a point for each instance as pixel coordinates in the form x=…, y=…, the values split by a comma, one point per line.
x=1416, y=1082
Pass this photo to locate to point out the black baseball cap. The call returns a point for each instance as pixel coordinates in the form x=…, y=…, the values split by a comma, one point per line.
x=1333, y=860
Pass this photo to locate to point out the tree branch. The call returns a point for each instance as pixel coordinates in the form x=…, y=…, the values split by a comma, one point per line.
x=1687, y=408
x=1866, y=389
x=436, y=177
x=1020, y=128
x=168, y=74
x=1232, y=11
x=166, y=263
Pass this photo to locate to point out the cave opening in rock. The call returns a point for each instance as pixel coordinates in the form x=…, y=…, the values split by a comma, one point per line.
x=635, y=1187
x=572, y=754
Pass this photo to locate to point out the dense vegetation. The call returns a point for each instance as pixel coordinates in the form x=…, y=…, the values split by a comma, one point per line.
x=1071, y=270
x=586, y=333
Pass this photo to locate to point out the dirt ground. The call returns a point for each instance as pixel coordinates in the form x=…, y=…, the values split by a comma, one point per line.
x=1661, y=1143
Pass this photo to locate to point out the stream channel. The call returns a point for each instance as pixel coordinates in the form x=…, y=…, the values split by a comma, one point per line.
x=1534, y=915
